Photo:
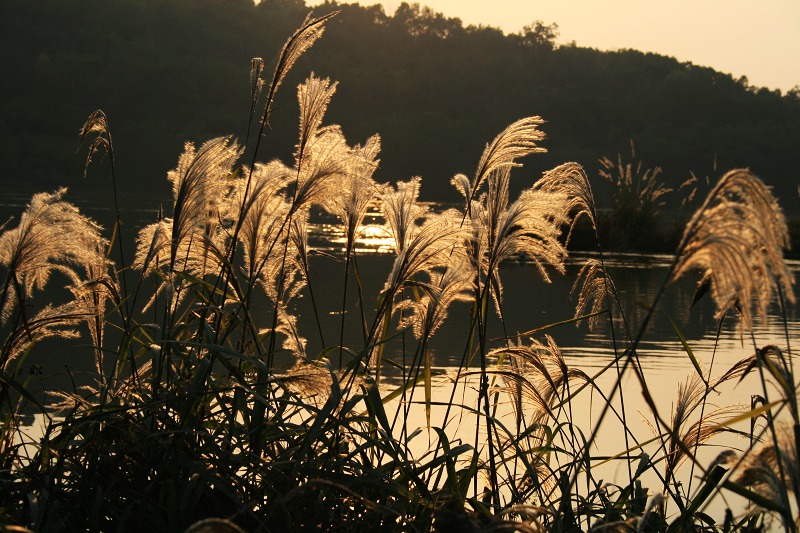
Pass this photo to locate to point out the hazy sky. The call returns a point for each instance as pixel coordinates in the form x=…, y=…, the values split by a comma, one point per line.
x=759, y=39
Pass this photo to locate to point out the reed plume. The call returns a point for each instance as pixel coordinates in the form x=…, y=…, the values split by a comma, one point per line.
x=773, y=359
x=303, y=39
x=692, y=396
x=97, y=124
x=357, y=189
x=293, y=341
x=774, y=468
x=428, y=311
x=191, y=241
x=153, y=249
x=402, y=211
x=51, y=322
x=280, y=274
x=202, y=185
x=736, y=240
x=596, y=286
x=516, y=141
x=311, y=381
x=93, y=294
x=264, y=211
x=322, y=165
x=321, y=153
x=530, y=227
x=256, y=82
x=52, y=236
x=314, y=96
x=570, y=179
x=423, y=241
x=538, y=379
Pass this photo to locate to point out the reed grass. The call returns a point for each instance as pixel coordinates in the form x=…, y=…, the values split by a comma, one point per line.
x=188, y=415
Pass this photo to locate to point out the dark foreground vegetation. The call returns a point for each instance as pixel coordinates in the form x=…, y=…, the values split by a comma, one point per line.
x=187, y=413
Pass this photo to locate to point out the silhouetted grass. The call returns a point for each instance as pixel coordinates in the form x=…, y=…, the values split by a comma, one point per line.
x=189, y=416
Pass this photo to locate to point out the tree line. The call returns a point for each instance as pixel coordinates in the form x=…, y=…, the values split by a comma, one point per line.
x=170, y=71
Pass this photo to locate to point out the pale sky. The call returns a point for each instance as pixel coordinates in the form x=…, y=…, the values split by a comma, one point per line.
x=759, y=39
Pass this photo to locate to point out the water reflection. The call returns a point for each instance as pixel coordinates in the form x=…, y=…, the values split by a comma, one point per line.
x=532, y=304
x=325, y=233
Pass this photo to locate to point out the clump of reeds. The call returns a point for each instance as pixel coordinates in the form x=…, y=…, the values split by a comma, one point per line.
x=639, y=195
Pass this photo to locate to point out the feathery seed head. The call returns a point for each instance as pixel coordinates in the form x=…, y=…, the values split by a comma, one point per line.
x=429, y=311
x=773, y=469
x=256, y=83
x=298, y=43
x=264, y=212
x=324, y=164
x=59, y=321
x=97, y=123
x=356, y=187
x=313, y=96
x=287, y=325
x=52, y=236
x=530, y=226
x=516, y=141
x=153, y=246
x=537, y=379
x=202, y=185
x=736, y=240
x=436, y=244
x=402, y=211
x=634, y=188
x=462, y=184
x=692, y=394
x=570, y=179
x=596, y=286
x=312, y=381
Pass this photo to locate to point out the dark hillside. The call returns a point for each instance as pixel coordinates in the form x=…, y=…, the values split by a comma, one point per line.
x=170, y=71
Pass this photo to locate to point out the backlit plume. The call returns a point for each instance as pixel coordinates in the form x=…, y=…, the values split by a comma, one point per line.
x=527, y=228
x=517, y=140
x=264, y=213
x=423, y=241
x=570, y=179
x=52, y=236
x=321, y=154
x=203, y=187
x=357, y=189
x=736, y=240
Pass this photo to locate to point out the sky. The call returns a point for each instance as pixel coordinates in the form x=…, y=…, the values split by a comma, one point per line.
x=759, y=39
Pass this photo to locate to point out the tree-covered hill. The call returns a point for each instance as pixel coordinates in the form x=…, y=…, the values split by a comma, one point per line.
x=170, y=71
